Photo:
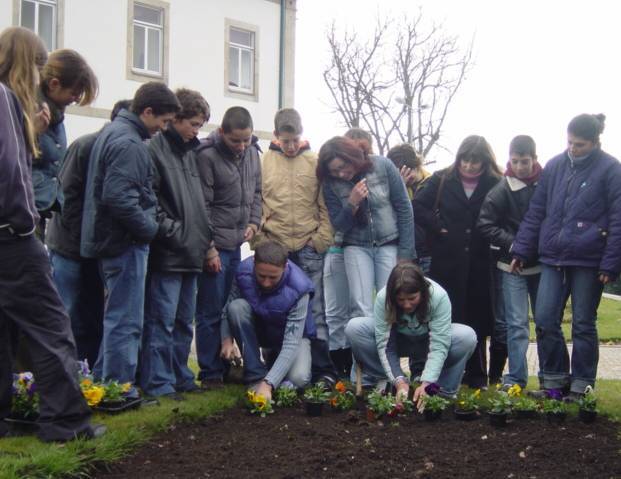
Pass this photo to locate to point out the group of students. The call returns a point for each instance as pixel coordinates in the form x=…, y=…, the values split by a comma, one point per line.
x=358, y=258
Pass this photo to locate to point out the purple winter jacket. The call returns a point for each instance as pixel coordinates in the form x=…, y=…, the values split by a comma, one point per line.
x=18, y=213
x=574, y=217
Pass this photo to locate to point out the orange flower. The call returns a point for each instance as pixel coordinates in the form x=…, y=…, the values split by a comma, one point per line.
x=333, y=402
x=340, y=387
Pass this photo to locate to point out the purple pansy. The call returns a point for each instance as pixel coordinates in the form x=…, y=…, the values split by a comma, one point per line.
x=555, y=394
x=432, y=389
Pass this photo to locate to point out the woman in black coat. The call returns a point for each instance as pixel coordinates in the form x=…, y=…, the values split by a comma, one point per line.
x=448, y=206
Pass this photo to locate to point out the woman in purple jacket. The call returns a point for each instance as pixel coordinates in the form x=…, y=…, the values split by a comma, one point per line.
x=574, y=224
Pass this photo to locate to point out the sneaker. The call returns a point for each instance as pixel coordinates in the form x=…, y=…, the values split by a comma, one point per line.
x=573, y=397
x=328, y=380
x=95, y=431
x=211, y=384
x=538, y=393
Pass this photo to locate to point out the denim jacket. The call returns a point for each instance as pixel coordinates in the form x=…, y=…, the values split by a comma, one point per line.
x=389, y=215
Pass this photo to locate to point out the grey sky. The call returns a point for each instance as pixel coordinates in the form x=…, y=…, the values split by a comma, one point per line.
x=537, y=64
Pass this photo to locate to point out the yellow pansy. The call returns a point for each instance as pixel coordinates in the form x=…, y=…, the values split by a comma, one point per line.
x=477, y=393
x=515, y=390
x=93, y=395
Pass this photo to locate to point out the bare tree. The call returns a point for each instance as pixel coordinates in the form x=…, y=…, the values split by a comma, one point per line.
x=399, y=82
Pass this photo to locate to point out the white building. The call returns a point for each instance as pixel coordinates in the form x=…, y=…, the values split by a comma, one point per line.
x=235, y=52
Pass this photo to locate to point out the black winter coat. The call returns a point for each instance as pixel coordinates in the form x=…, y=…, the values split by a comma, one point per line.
x=502, y=212
x=64, y=229
x=184, y=232
x=460, y=258
x=119, y=203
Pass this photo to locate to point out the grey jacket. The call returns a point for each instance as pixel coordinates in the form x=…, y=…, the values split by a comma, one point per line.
x=232, y=190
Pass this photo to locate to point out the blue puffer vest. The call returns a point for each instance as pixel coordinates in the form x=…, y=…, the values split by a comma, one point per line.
x=272, y=308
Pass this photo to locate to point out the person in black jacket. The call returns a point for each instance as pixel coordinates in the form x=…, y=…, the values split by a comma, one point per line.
x=77, y=279
x=447, y=206
x=177, y=254
x=118, y=223
x=499, y=221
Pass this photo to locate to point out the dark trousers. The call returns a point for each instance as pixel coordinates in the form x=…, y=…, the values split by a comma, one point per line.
x=30, y=302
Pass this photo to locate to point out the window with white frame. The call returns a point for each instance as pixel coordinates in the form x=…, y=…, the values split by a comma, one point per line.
x=148, y=43
x=40, y=17
x=241, y=60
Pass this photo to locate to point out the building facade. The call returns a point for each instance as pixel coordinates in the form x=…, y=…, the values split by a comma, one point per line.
x=235, y=52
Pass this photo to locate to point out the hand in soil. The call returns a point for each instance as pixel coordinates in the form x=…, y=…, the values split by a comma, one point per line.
x=419, y=396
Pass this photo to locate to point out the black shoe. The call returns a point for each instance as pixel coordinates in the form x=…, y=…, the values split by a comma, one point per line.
x=174, y=396
x=328, y=381
x=4, y=429
x=194, y=388
x=573, y=397
x=211, y=384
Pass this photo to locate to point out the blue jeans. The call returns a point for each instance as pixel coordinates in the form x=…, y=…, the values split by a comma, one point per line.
x=241, y=320
x=367, y=272
x=516, y=290
x=336, y=291
x=311, y=262
x=361, y=335
x=81, y=291
x=124, y=277
x=213, y=291
x=555, y=286
x=167, y=337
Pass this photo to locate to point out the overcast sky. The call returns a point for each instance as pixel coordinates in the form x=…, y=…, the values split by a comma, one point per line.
x=537, y=65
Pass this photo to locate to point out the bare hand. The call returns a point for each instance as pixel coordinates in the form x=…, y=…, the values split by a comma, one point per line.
x=408, y=175
x=419, y=396
x=42, y=119
x=358, y=193
x=249, y=234
x=264, y=390
x=403, y=390
x=213, y=265
x=604, y=278
x=229, y=350
x=516, y=266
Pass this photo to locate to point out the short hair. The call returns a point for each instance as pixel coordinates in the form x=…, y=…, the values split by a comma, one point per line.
x=523, y=145
x=405, y=155
x=362, y=138
x=192, y=104
x=236, y=118
x=270, y=252
x=288, y=120
x=587, y=127
x=477, y=147
x=118, y=106
x=72, y=71
x=157, y=96
x=347, y=150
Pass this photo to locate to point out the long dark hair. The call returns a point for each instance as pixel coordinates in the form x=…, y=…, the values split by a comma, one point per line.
x=477, y=147
x=345, y=149
x=406, y=278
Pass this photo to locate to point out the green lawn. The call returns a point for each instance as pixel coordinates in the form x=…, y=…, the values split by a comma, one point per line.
x=26, y=457
x=608, y=322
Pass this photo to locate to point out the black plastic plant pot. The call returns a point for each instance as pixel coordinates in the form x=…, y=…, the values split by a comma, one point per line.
x=462, y=415
x=556, y=417
x=497, y=419
x=20, y=426
x=525, y=414
x=432, y=415
x=586, y=416
x=314, y=409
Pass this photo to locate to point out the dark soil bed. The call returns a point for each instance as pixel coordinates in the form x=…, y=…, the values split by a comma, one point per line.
x=288, y=444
